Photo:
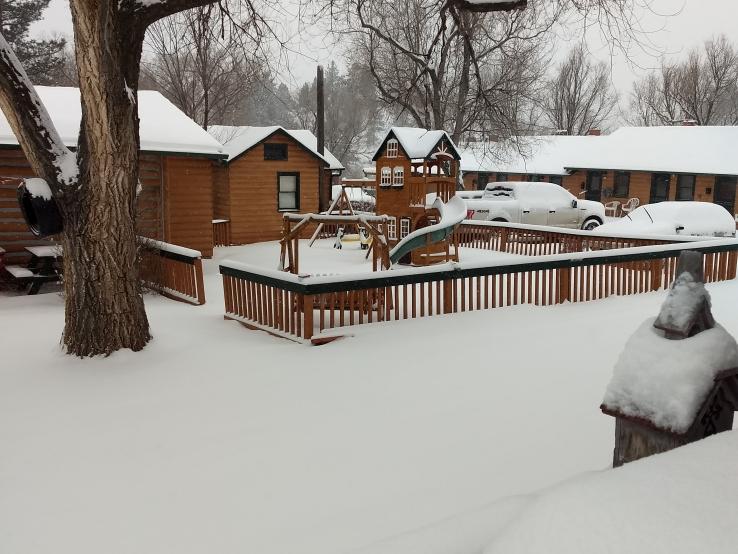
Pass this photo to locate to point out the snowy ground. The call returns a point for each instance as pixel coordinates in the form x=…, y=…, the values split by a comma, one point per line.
x=220, y=439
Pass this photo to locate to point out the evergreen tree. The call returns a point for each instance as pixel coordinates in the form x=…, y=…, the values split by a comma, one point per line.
x=42, y=59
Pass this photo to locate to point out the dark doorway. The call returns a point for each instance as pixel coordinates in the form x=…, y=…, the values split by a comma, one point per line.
x=594, y=186
x=660, y=187
x=482, y=180
x=725, y=192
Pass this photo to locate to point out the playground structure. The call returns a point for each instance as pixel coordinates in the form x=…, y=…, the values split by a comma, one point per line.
x=289, y=259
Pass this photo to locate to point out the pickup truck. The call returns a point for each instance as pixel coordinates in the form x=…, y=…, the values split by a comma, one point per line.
x=534, y=203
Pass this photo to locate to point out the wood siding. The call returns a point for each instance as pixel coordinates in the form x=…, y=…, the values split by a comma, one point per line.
x=221, y=198
x=252, y=183
x=188, y=201
x=14, y=233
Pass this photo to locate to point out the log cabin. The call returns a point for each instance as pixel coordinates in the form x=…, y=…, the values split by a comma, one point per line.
x=652, y=164
x=269, y=171
x=412, y=163
x=176, y=173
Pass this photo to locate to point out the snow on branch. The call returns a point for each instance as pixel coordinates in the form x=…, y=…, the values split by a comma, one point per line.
x=31, y=124
x=149, y=11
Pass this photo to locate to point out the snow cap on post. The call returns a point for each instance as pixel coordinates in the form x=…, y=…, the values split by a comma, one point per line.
x=686, y=310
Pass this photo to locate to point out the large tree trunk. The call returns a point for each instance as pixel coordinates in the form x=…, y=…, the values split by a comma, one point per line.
x=104, y=306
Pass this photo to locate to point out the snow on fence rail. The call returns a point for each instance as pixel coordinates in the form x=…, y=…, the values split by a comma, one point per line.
x=174, y=271
x=299, y=307
x=535, y=240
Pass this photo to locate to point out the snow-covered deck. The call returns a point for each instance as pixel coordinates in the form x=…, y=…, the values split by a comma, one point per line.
x=215, y=439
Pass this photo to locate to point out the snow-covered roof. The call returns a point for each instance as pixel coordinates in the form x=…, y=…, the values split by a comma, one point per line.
x=417, y=143
x=539, y=155
x=163, y=127
x=705, y=150
x=238, y=139
x=683, y=149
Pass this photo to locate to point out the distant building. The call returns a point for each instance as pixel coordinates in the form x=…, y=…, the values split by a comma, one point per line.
x=652, y=164
x=269, y=171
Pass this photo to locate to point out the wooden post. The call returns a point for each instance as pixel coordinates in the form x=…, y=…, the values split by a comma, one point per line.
x=656, y=270
x=199, y=282
x=564, y=277
x=503, y=239
x=307, y=310
x=448, y=304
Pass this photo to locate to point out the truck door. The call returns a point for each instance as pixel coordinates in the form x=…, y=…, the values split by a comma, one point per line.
x=533, y=208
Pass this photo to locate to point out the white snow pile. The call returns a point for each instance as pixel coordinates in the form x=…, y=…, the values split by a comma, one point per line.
x=680, y=502
x=665, y=381
x=38, y=188
x=684, y=300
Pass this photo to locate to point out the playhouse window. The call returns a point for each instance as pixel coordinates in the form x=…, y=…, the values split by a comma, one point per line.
x=399, y=176
x=393, y=148
x=288, y=191
x=275, y=151
x=386, y=177
x=392, y=228
x=404, y=227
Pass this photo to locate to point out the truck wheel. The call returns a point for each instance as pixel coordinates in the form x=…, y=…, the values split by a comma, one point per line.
x=500, y=220
x=591, y=224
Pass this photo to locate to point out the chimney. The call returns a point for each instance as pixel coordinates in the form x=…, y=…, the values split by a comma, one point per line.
x=594, y=132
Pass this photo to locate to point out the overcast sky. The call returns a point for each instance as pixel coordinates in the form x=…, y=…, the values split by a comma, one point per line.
x=692, y=22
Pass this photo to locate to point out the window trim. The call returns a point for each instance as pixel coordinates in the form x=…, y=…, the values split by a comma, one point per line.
x=297, y=190
x=404, y=222
x=382, y=174
x=392, y=228
x=615, y=191
x=282, y=145
x=395, y=173
x=393, y=148
x=678, y=187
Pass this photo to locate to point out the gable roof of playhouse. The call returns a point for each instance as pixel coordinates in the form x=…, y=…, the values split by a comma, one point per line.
x=539, y=155
x=163, y=127
x=237, y=140
x=418, y=143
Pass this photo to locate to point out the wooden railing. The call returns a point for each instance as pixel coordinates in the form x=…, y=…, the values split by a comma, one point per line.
x=444, y=188
x=221, y=232
x=534, y=240
x=298, y=308
x=173, y=271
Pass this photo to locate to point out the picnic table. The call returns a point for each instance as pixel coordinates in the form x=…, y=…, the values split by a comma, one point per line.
x=43, y=267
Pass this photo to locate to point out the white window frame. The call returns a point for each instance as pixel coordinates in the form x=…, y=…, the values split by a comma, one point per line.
x=398, y=176
x=386, y=177
x=404, y=227
x=392, y=228
x=393, y=148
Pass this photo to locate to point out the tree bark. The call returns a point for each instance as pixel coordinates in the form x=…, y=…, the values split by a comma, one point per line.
x=104, y=305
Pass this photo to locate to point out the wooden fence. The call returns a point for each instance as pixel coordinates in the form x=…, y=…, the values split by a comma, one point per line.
x=532, y=240
x=298, y=308
x=221, y=232
x=173, y=271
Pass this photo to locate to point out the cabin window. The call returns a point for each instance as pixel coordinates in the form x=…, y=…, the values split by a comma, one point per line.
x=288, y=191
x=386, y=177
x=482, y=181
x=274, y=151
x=392, y=228
x=660, y=187
x=556, y=180
x=622, y=184
x=398, y=178
x=404, y=227
x=393, y=148
x=501, y=177
x=685, y=187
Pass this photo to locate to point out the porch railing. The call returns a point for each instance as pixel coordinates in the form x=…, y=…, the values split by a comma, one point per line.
x=305, y=308
x=173, y=271
x=221, y=232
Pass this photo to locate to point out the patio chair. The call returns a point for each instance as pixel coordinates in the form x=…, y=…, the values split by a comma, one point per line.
x=612, y=208
x=630, y=205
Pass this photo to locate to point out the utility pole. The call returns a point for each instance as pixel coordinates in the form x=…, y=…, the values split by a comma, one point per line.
x=324, y=184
